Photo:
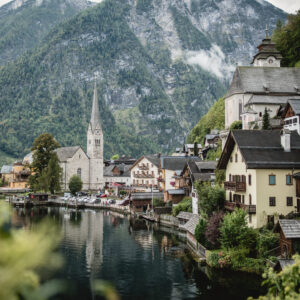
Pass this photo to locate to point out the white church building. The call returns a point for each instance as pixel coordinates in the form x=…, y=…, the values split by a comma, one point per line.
x=88, y=166
x=263, y=85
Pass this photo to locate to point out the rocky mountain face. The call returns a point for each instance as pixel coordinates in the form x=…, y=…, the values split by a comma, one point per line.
x=160, y=65
x=24, y=23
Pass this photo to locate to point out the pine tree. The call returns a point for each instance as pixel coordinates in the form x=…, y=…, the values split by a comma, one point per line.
x=54, y=173
x=266, y=120
x=196, y=150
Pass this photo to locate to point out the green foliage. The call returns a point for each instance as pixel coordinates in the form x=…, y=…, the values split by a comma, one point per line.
x=220, y=176
x=283, y=285
x=158, y=202
x=236, y=125
x=75, y=184
x=211, y=198
x=22, y=254
x=114, y=157
x=235, y=232
x=266, y=241
x=214, y=153
x=287, y=40
x=196, y=150
x=200, y=231
x=214, y=119
x=266, y=120
x=54, y=172
x=184, y=205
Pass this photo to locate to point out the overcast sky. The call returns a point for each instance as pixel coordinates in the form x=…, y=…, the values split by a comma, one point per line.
x=290, y=6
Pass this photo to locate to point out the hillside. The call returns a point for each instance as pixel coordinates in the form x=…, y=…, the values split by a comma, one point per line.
x=160, y=65
x=24, y=23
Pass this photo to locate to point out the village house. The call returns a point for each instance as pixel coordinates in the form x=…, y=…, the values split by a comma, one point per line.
x=264, y=85
x=16, y=176
x=188, y=150
x=141, y=201
x=144, y=173
x=291, y=115
x=117, y=174
x=260, y=170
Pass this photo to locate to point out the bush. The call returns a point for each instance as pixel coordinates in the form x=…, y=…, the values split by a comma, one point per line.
x=235, y=232
x=211, y=199
x=212, y=233
x=236, y=125
x=200, y=232
x=158, y=202
x=75, y=184
x=266, y=241
x=184, y=205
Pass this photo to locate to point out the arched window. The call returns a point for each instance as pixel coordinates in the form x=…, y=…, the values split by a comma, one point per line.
x=250, y=199
x=79, y=172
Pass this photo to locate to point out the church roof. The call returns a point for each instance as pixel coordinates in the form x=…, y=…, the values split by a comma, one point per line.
x=64, y=153
x=265, y=80
x=264, y=99
x=95, y=115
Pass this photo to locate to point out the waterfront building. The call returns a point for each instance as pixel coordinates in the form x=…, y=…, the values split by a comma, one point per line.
x=88, y=166
x=291, y=115
x=144, y=173
x=263, y=85
x=16, y=176
x=262, y=168
x=117, y=174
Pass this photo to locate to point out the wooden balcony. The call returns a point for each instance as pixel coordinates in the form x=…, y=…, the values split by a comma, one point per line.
x=251, y=209
x=235, y=186
x=143, y=167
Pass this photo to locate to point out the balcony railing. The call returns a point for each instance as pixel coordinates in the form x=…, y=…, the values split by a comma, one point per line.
x=144, y=185
x=143, y=175
x=143, y=167
x=251, y=209
x=235, y=186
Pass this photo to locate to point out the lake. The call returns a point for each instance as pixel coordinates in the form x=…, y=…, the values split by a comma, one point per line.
x=140, y=259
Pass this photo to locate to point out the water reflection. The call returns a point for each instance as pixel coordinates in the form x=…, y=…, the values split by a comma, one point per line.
x=141, y=259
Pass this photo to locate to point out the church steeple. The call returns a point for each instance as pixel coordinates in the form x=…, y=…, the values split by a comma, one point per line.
x=268, y=55
x=95, y=115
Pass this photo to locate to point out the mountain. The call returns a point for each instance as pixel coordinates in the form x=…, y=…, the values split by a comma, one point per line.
x=160, y=65
x=24, y=23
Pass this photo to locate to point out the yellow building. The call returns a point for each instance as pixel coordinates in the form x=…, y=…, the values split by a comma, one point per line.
x=261, y=173
x=20, y=174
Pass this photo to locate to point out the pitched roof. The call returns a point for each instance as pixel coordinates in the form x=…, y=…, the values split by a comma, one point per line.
x=95, y=115
x=6, y=169
x=184, y=215
x=264, y=99
x=191, y=224
x=146, y=196
x=295, y=104
x=290, y=228
x=206, y=165
x=254, y=80
x=175, y=163
x=64, y=153
x=124, y=170
x=261, y=149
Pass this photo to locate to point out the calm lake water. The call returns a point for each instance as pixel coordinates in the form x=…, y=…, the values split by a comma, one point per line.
x=142, y=260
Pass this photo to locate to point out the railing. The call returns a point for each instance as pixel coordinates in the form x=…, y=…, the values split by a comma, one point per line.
x=144, y=185
x=251, y=209
x=143, y=175
x=143, y=167
x=235, y=186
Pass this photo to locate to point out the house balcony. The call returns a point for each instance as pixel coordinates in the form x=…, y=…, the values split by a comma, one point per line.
x=143, y=167
x=160, y=179
x=143, y=185
x=143, y=175
x=235, y=186
x=251, y=209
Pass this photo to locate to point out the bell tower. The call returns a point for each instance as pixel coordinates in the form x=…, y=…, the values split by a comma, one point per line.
x=268, y=55
x=95, y=145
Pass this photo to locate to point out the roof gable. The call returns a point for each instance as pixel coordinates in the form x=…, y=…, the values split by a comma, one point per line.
x=65, y=153
x=290, y=228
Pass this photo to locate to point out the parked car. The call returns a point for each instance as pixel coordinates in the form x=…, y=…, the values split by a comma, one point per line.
x=103, y=196
x=111, y=201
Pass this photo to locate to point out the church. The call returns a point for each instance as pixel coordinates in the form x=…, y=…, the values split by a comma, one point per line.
x=265, y=85
x=88, y=166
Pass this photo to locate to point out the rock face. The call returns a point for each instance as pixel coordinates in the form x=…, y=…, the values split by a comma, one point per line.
x=160, y=65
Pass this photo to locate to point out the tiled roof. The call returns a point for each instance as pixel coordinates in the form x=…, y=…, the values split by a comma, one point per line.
x=191, y=224
x=6, y=169
x=176, y=163
x=184, y=215
x=256, y=79
x=264, y=99
x=261, y=149
x=154, y=159
x=295, y=104
x=206, y=165
x=64, y=153
x=124, y=170
x=290, y=228
x=143, y=196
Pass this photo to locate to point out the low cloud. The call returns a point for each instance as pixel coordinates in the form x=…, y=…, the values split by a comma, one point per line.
x=212, y=61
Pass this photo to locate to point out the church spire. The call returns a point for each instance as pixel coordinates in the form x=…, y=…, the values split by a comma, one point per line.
x=95, y=115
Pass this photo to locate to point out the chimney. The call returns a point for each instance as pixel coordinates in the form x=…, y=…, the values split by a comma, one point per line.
x=286, y=140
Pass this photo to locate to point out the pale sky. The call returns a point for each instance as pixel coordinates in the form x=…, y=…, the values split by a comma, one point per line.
x=290, y=6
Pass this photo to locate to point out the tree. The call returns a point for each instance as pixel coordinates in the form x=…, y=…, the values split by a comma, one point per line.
x=115, y=157
x=200, y=231
x=235, y=232
x=75, y=184
x=196, y=150
x=212, y=232
x=54, y=174
x=236, y=125
x=283, y=285
x=43, y=150
x=211, y=199
x=266, y=120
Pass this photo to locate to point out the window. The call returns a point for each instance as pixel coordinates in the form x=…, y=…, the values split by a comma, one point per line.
x=79, y=172
x=230, y=196
x=250, y=218
x=272, y=201
x=236, y=157
x=230, y=158
x=229, y=177
x=272, y=179
x=289, y=201
x=243, y=199
x=260, y=114
x=249, y=179
x=289, y=179
x=250, y=199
